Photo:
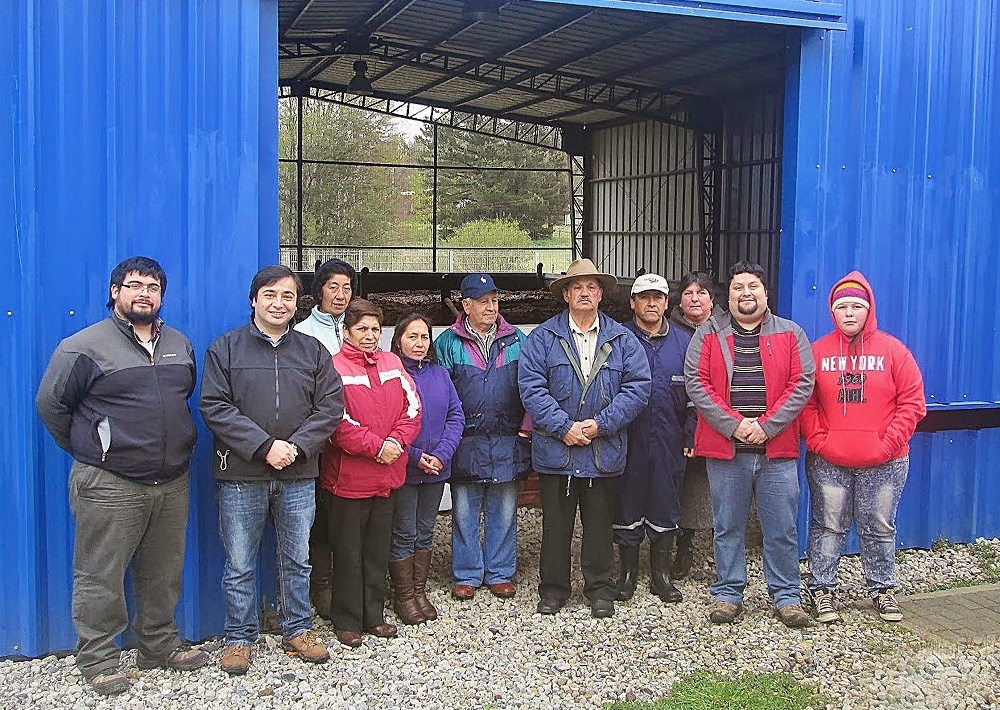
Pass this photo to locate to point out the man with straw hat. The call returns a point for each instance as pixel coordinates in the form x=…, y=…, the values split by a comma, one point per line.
x=583, y=379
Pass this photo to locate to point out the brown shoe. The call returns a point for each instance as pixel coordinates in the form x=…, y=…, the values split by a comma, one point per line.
x=421, y=570
x=109, y=683
x=724, y=612
x=504, y=590
x=793, y=616
x=403, y=601
x=307, y=647
x=463, y=592
x=349, y=638
x=182, y=658
x=384, y=630
x=236, y=659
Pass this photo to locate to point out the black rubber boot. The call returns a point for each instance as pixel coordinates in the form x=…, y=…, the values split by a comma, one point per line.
x=628, y=574
x=659, y=578
x=683, y=554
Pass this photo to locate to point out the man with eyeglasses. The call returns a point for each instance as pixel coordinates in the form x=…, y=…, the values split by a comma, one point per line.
x=114, y=396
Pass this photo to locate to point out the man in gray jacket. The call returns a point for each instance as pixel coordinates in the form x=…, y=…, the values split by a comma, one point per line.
x=114, y=397
x=271, y=397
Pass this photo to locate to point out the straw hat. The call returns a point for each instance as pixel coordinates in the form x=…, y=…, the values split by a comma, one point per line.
x=579, y=269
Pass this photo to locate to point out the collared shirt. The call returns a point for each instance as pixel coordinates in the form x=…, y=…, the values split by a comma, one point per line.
x=275, y=342
x=586, y=344
x=643, y=333
x=485, y=342
x=154, y=333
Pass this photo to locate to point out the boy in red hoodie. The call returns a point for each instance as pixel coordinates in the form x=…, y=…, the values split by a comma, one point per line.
x=868, y=399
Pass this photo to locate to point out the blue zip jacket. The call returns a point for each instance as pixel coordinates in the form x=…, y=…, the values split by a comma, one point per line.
x=490, y=449
x=657, y=436
x=441, y=420
x=555, y=394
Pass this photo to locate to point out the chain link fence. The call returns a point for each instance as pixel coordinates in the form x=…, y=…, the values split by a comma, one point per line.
x=459, y=259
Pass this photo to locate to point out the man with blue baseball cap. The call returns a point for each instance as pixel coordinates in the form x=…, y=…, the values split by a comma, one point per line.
x=481, y=351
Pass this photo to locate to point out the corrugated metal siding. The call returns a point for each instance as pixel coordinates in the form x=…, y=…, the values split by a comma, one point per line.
x=750, y=209
x=894, y=168
x=645, y=193
x=643, y=199
x=135, y=128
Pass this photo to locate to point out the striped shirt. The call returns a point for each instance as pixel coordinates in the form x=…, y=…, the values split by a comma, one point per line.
x=747, y=393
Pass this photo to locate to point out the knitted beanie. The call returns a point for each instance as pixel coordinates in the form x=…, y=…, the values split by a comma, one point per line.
x=850, y=292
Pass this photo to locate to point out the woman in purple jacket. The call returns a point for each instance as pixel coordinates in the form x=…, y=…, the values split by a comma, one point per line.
x=428, y=468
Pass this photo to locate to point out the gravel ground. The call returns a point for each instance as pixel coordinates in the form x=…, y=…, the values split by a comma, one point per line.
x=492, y=653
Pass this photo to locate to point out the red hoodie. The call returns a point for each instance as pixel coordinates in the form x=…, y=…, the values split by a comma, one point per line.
x=869, y=394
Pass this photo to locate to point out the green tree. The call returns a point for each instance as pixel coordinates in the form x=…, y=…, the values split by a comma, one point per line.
x=341, y=204
x=536, y=201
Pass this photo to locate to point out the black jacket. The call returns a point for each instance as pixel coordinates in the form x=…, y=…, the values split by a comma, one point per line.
x=111, y=405
x=253, y=392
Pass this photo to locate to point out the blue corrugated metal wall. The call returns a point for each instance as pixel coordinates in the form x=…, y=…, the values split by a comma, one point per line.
x=892, y=165
x=128, y=127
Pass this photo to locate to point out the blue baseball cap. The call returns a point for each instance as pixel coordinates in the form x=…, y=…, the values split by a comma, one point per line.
x=477, y=285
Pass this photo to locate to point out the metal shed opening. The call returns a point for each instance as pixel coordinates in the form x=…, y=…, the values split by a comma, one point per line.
x=673, y=114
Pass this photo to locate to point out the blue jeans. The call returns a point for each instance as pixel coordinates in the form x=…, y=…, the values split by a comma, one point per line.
x=867, y=496
x=243, y=509
x=494, y=560
x=413, y=520
x=776, y=484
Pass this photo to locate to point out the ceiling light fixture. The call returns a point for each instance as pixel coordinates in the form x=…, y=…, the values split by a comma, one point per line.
x=360, y=83
x=480, y=10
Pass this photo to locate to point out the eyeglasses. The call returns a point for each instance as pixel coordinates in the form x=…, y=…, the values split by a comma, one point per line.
x=152, y=289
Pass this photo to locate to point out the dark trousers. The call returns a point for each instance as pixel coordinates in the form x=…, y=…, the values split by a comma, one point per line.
x=121, y=523
x=595, y=497
x=319, y=534
x=360, y=534
x=648, y=502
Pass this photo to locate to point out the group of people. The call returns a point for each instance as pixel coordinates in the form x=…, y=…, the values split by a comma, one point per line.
x=657, y=428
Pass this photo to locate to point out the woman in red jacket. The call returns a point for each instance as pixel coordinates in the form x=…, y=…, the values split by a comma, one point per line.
x=364, y=464
x=868, y=399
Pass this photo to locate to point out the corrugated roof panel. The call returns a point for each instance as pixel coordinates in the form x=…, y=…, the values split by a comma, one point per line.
x=292, y=68
x=791, y=13
x=134, y=129
x=329, y=16
x=579, y=37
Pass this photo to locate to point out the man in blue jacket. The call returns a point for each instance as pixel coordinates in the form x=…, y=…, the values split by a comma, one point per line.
x=583, y=379
x=481, y=352
x=649, y=497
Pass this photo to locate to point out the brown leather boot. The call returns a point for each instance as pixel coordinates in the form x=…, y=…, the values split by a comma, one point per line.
x=319, y=581
x=403, y=602
x=421, y=570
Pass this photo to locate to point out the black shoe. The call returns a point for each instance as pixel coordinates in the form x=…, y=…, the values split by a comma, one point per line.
x=549, y=605
x=602, y=608
x=628, y=574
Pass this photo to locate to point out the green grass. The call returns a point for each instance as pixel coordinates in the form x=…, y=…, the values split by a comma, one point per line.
x=704, y=690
